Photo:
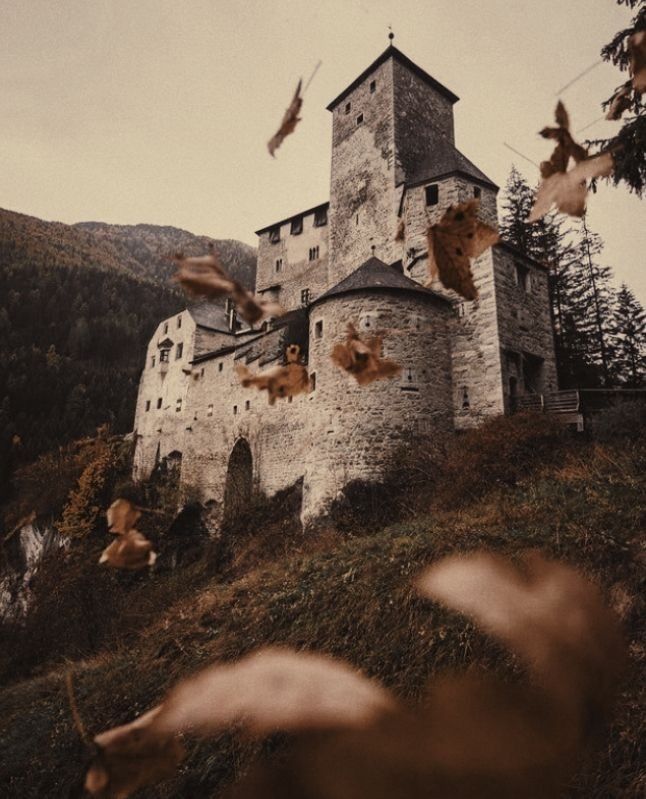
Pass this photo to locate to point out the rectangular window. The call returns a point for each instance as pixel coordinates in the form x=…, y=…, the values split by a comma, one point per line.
x=202, y=372
x=147, y=405
x=247, y=405
x=235, y=410
x=274, y=235
x=523, y=278
x=279, y=264
x=163, y=356
x=305, y=296
x=320, y=217
x=348, y=106
x=220, y=366
x=312, y=381
x=359, y=119
x=209, y=411
x=432, y=194
x=179, y=349
x=477, y=191
x=296, y=227
x=318, y=330
x=179, y=321
x=373, y=86
x=159, y=401
x=178, y=405
x=314, y=253
x=465, y=399
x=152, y=362
x=165, y=328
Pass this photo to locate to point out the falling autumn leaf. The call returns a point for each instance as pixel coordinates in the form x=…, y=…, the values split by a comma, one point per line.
x=122, y=516
x=620, y=101
x=363, y=359
x=566, y=147
x=274, y=689
x=568, y=191
x=637, y=52
x=290, y=120
x=458, y=237
x=281, y=381
x=132, y=756
x=131, y=550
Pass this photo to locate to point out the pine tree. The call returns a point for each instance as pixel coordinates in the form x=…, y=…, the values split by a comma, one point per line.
x=628, y=329
x=629, y=145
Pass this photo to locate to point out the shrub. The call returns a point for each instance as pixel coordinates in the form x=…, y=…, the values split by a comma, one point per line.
x=624, y=421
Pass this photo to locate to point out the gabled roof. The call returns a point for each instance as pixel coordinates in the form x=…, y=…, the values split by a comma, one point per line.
x=443, y=160
x=209, y=315
x=293, y=216
x=373, y=275
x=393, y=52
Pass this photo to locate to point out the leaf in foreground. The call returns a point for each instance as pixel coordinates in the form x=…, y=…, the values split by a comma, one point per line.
x=131, y=551
x=281, y=381
x=122, y=516
x=290, y=120
x=132, y=756
x=458, y=237
x=362, y=359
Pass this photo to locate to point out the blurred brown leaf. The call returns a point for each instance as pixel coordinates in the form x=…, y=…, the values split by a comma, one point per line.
x=363, y=359
x=122, y=516
x=458, y=237
x=637, y=51
x=132, y=756
x=281, y=381
x=290, y=120
x=131, y=551
x=566, y=147
x=568, y=191
x=274, y=689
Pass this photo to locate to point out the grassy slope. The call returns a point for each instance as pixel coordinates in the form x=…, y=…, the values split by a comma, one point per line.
x=351, y=597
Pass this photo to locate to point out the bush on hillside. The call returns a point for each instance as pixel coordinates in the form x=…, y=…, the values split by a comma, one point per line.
x=622, y=422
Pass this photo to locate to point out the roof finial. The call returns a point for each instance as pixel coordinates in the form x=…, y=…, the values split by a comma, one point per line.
x=391, y=35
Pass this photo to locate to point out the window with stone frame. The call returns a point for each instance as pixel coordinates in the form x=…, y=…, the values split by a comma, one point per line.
x=296, y=227
x=432, y=194
x=305, y=296
x=164, y=356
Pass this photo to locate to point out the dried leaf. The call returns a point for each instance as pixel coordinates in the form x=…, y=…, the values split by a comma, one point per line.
x=548, y=614
x=131, y=551
x=363, y=359
x=132, y=756
x=568, y=190
x=274, y=689
x=122, y=516
x=281, y=381
x=637, y=51
x=566, y=147
x=621, y=101
x=290, y=120
x=458, y=237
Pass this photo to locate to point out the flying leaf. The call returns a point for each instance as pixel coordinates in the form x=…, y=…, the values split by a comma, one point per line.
x=131, y=550
x=620, y=101
x=274, y=689
x=281, y=381
x=566, y=147
x=637, y=51
x=548, y=614
x=458, y=237
x=132, y=756
x=568, y=190
x=363, y=359
x=122, y=516
x=290, y=120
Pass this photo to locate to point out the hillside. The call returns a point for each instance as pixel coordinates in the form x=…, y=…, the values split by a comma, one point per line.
x=78, y=304
x=513, y=485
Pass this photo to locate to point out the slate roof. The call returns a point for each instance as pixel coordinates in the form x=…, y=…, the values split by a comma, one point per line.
x=443, y=160
x=212, y=316
x=374, y=274
x=393, y=52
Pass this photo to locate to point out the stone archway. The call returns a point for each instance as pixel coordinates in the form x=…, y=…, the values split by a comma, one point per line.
x=238, y=486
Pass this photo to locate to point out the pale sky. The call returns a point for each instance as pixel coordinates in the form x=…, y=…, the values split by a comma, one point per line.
x=156, y=111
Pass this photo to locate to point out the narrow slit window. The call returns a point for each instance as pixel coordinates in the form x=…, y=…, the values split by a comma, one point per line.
x=152, y=362
x=247, y=405
x=220, y=366
x=432, y=194
x=178, y=405
x=235, y=410
x=178, y=351
x=348, y=107
x=209, y=411
x=466, y=404
x=165, y=328
x=313, y=381
x=179, y=321
x=359, y=119
x=279, y=264
x=318, y=329
x=314, y=253
x=373, y=86
x=159, y=402
x=147, y=405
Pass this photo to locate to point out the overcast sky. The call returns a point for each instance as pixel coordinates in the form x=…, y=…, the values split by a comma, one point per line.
x=155, y=111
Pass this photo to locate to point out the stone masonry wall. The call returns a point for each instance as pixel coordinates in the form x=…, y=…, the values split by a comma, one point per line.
x=357, y=429
x=296, y=271
x=362, y=187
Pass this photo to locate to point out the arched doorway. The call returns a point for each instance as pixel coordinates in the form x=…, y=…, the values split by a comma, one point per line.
x=237, y=489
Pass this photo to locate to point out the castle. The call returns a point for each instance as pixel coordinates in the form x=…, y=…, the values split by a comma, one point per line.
x=393, y=159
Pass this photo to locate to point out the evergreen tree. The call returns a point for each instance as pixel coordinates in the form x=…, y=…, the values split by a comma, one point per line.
x=629, y=145
x=628, y=329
